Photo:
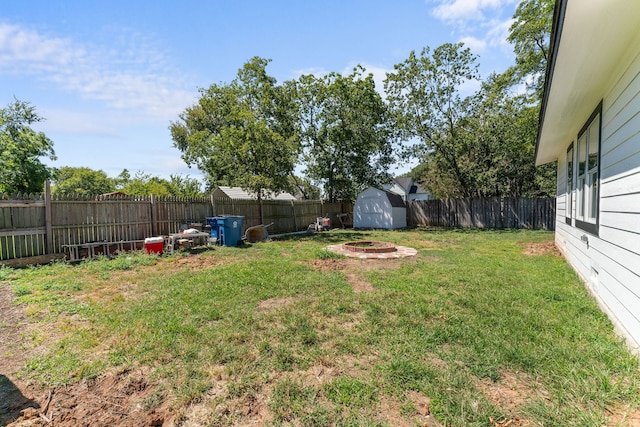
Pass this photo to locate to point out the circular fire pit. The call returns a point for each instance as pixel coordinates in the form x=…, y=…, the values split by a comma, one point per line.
x=366, y=249
x=370, y=247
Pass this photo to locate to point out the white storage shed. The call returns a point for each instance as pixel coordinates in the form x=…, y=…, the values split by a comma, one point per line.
x=377, y=208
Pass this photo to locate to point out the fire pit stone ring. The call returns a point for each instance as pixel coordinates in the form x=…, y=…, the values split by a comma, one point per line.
x=368, y=249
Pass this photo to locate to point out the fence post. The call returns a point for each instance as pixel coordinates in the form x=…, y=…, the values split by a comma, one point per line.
x=47, y=218
x=213, y=204
x=154, y=216
x=293, y=213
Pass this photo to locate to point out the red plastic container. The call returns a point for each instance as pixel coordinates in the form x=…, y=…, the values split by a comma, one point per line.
x=154, y=245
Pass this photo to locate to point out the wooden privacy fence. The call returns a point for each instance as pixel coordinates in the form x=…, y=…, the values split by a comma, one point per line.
x=484, y=213
x=37, y=225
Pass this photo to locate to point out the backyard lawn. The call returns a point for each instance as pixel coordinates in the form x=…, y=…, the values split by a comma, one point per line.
x=481, y=328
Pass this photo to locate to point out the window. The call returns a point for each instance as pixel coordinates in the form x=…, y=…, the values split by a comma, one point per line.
x=569, y=188
x=587, y=180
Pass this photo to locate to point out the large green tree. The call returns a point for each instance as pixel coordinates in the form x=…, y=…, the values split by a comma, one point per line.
x=242, y=133
x=344, y=129
x=82, y=180
x=476, y=145
x=21, y=150
x=424, y=95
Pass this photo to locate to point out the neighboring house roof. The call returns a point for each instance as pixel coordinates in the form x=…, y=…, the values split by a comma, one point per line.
x=407, y=185
x=590, y=40
x=239, y=193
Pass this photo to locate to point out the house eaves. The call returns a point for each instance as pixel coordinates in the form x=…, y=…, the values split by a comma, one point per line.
x=590, y=40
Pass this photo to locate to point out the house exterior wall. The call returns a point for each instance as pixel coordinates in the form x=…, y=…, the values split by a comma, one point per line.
x=419, y=196
x=609, y=262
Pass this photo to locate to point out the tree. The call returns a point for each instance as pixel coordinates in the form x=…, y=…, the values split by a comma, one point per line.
x=529, y=35
x=475, y=146
x=343, y=126
x=82, y=180
x=241, y=133
x=185, y=186
x=301, y=186
x=423, y=93
x=21, y=170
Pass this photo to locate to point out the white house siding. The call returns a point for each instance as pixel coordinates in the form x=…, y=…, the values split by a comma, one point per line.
x=610, y=262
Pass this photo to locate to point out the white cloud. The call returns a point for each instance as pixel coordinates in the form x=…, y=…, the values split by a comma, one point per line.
x=130, y=76
x=476, y=45
x=498, y=33
x=466, y=10
x=315, y=71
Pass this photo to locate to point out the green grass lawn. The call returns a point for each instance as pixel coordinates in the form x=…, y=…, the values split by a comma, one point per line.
x=473, y=326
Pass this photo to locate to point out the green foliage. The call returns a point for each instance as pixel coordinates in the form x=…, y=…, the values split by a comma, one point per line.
x=82, y=180
x=6, y=273
x=303, y=187
x=144, y=184
x=424, y=96
x=21, y=150
x=343, y=125
x=529, y=34
x=241, y=133
x=480, y=145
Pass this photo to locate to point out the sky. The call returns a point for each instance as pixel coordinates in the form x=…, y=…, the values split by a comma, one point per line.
x=109, y=77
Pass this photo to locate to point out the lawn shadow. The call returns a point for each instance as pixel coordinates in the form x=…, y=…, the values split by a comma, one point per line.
x=12, y=401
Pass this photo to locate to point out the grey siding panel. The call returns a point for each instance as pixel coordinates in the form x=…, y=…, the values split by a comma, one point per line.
x=621, y=221
x=628, y=183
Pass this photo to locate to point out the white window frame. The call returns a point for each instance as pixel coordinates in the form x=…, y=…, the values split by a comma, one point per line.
x=587, y=174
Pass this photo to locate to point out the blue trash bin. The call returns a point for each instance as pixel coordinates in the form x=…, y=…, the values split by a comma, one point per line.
x=229, y=230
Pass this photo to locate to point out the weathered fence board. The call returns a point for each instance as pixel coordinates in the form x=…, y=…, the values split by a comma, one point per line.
x=22, y=227
x=483, y=213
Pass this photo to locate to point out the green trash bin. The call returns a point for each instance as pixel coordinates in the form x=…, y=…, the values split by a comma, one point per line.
x=229, y=230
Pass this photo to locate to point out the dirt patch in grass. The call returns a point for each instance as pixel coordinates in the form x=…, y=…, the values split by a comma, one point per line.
x=353, y=269
x=623, y=415
x=272, y=304
x=13, y=325
x=510, y=393
x=541, y=248
x=115, y=399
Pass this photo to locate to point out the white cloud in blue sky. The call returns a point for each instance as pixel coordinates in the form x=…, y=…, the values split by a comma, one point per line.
x=128, y=75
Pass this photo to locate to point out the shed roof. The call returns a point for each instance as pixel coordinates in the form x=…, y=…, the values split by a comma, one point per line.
x=239, y=193
x=395, y=199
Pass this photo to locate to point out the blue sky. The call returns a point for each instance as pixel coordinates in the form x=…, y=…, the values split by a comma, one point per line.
x=110, y=76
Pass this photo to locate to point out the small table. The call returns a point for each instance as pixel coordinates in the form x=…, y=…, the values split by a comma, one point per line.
x=195, y=239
